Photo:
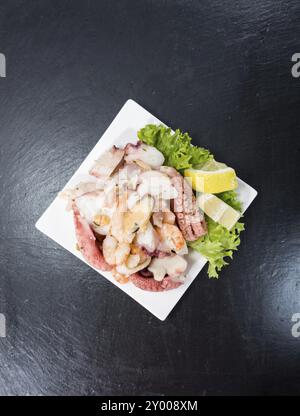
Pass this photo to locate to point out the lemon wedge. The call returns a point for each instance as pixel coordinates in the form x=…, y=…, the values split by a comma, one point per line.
x=212, y=178
x=218, y=210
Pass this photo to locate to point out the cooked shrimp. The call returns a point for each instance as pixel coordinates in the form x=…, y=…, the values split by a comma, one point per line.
x=125, y=223
x=172, y=238
x=133, y=260
x=169, y=217
x=122, y=253
x=157, y=218
x=120, y=278
x=139, y=215
x=109, y=247
x=117, y=225
x=115, y=253
x=125, y=270
x=147, y=238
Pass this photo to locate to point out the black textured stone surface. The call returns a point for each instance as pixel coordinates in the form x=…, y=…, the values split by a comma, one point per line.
x=222, y=71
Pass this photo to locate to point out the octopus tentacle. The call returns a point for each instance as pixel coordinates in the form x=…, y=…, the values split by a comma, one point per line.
x=87, y=242
x=190, y=221
x=151, y=285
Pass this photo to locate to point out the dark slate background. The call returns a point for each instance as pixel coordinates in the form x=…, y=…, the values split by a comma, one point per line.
x=222, y=71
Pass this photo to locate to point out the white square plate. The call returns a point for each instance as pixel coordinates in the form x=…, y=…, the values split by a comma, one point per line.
x=57, y=223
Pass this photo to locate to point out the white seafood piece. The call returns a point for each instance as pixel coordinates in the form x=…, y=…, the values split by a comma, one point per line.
x=163, y=217
x=160, y=204
x=125, y=223
x=126, y=271
x=139, y=215
x=169, y=217
x=97, y=211
x=86, y=180
x=107, y=163
x=171, y=239
x=142, y=165
x=168, y=170
x=173, y=266
x=109, y=247
x=178, y=279
x=156, y=184
x=81, y=188
x=122, y=252
x=128, y=176
x=162, y=246
x=147, y=238
x=117, y=227
x=115, y=253
x=133, y=261
x=111, y=196
x=157, y=219
x=145, y=153
x=183, y=251
x=133, y=199
x=90, y=204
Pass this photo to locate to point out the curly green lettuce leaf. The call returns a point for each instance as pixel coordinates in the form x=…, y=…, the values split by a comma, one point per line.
x=231, y=198
x=176, y=147
x=218, y=245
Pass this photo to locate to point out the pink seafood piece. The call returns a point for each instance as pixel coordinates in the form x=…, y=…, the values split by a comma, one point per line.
x=168, y=283
x=132, y=148
x=107, y=162
x=168, y=170
x=146, y=273
x=87, y=242
x=151, y=285
x=157, y=218
x=189, y=218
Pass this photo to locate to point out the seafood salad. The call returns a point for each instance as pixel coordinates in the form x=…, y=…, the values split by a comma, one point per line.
x=140, y=211
x=135, y=216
